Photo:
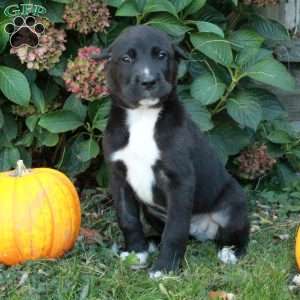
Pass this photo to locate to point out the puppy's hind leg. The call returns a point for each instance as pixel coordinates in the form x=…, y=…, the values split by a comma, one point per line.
x=232, y=239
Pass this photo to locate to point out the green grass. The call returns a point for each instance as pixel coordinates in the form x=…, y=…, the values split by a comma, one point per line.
x=91, y=271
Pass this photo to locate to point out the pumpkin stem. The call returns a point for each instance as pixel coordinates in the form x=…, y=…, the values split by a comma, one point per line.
x=20, y=169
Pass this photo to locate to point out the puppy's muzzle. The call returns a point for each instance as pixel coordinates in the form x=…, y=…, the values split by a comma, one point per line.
x=147, y=80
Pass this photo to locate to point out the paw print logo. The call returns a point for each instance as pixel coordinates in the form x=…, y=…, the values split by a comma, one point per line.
x=24, y=31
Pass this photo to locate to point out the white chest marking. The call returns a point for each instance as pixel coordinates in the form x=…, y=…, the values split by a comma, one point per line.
x=141, y=153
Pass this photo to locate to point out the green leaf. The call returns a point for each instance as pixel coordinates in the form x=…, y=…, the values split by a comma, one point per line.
x=31, y=122
x=9, y=129
x=59, y=68
x=194, y=7
x=217, y=144
x=76, y=106
x=4, y=36
x=14, y=85
x=37, y=98
x=232, y=138
x=181, y=4
x=114, y=3
x=140, y=5
x=160, y=6
x=70, y=162
x=235, y=2
x=30, y=75
x=244, y=110
x=296, y=152
x=279, y=137
x=245, y=38
x=271, y=72
x=1, y=119
x=244, y=56
x=88, y=149
x=199, y=114
x=102, y=176
x=46, y=138
x=208, y=27
x=8, y=158
x=60, y=121
x=250, y=56
x=271, y=107
x=169, y=24
x=99, y=119
x=51, y=91
x=211, y=14
x=25, y=140
x=286, y=174
x=213, y=46
x=269, y=29
x=128, y=9
x=285, y=125
x=207, y=89
x=55, y=11
x=182, y=69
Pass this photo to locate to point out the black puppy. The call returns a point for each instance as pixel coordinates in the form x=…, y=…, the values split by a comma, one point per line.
x=160, y=162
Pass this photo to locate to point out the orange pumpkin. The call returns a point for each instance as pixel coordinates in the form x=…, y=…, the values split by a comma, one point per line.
x=297, y=250
x=39, y=214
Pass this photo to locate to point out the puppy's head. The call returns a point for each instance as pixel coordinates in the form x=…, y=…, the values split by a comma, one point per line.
x=142, y=67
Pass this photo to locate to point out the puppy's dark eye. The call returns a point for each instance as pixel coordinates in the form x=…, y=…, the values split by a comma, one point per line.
x=126, y=59
x=162, y=54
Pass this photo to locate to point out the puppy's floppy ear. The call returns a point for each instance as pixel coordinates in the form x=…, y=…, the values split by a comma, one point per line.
x=105, y=54
x=179, y=53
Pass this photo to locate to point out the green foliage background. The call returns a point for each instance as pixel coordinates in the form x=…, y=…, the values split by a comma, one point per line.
x=225, y=83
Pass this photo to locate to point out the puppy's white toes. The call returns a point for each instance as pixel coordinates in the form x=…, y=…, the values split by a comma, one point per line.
x=227, y=256
x=156, y=275
x=141, y=259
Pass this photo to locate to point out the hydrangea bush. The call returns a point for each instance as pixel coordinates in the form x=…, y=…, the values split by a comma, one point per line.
x=54, y=102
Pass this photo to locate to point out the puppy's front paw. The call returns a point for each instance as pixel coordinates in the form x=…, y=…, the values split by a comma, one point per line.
x=139, y=259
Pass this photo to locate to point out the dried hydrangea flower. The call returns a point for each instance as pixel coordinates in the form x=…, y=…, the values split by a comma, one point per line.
x=87, y=16
x=47, y=53
x=254, y=162
x=85, y=77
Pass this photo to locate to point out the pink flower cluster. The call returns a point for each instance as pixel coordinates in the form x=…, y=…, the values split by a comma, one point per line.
x=85, y=77
x=87, y=16
x=47, y=53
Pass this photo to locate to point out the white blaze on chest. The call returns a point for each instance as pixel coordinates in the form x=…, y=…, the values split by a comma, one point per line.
x=141, y=153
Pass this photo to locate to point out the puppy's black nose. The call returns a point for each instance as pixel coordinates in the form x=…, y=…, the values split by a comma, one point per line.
x=149, y=83
x=146, y=79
